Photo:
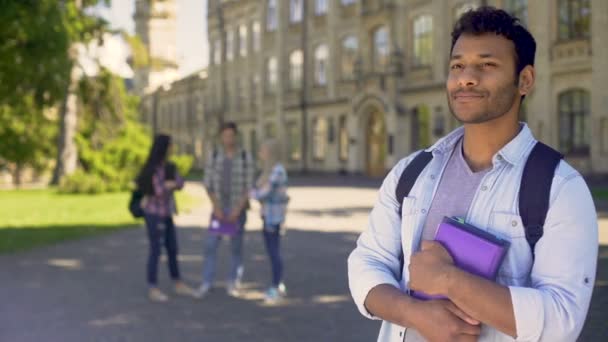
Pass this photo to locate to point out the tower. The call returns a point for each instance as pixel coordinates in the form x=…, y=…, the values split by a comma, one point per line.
x=156, y=26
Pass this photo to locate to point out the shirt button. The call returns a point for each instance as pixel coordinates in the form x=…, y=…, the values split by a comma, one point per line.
x=499, y=157
x=514, y=223
x=484, y=188
x=432, y=176
x=423, y=211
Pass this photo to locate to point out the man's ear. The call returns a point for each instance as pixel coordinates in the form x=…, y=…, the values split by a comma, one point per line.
x=527, y=78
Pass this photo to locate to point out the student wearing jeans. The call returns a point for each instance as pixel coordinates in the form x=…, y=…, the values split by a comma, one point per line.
x=271, y=191
x=158, y=180
x=229, y=173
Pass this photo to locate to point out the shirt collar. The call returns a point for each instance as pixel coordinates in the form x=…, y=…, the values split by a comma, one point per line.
x=513, y=152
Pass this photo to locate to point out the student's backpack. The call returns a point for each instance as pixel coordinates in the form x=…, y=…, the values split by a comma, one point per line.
x=534, y=189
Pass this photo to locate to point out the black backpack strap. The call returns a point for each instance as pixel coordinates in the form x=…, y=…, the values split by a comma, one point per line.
x=406, y=183
x=410, y=175
x=535, y=190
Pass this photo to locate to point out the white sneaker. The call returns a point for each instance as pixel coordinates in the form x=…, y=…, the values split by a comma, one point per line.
x=156, y=295
x=202, y=291
x=282, y=289
x=272, y=295
x=232, y=289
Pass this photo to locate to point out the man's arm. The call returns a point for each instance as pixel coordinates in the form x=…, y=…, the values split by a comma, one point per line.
x=554, y=307
x=372, y=270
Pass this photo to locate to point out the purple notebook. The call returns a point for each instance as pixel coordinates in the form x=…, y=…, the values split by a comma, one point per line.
x=474, y=250
x=222, y=227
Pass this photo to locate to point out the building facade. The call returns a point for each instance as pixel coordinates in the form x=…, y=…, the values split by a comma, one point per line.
x=351, y=85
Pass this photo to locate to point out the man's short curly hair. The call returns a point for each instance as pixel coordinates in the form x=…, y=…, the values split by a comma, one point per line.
x=487, y=19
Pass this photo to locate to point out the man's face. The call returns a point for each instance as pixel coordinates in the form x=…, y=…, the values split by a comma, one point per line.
x=228, y=137
x=481, y=84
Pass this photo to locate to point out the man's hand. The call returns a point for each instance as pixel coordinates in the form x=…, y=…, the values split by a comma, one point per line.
x=441, y=320
x=234, y=215
x=218, y=213
x=429, y=269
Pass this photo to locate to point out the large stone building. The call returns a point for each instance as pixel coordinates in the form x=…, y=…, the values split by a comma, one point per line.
x=356, y=85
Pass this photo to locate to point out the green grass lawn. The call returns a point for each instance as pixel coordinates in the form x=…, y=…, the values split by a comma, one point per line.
x=30, y=218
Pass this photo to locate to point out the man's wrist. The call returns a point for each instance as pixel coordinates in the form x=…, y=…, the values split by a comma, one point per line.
x=410, y=310
x=449, y=279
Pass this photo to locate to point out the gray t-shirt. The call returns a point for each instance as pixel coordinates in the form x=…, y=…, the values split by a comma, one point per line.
x=455, y=193
x=226, y=183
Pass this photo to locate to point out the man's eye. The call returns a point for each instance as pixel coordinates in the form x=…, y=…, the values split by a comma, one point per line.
x=456, y=66
x=488, y=65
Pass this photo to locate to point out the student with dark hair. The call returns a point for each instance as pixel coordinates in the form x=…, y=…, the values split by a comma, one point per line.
x=493, y=174
x=229, y=172
x=158, y=179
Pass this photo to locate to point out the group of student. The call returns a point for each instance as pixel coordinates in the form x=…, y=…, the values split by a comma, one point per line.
x=229, y=178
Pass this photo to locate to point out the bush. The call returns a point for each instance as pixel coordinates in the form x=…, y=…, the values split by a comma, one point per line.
x=183, y=163
x=82, y=183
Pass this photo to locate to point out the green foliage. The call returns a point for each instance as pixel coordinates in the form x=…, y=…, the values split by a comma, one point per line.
x=112, y=145
x=35, y=42
x=82, y=183
x=26, y=135
x=183, y=163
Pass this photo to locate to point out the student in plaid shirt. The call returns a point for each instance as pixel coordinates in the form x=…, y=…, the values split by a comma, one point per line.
x=271, y=191
x=158, y=180
x=229, y=173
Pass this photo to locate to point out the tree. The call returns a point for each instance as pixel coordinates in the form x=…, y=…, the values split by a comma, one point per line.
x=26, y=137
x=38, y=67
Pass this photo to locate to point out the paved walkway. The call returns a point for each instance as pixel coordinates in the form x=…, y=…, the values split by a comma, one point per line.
x=93, y=289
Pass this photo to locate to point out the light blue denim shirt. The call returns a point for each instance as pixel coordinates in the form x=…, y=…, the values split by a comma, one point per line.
x=550, y=294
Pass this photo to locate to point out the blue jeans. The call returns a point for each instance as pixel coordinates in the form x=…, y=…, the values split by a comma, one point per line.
x=272, y=239
x=236, y=247
x=155, y=234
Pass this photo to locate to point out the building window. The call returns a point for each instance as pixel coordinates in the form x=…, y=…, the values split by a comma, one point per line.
x=381, y=48
x=296, y=60
x=272, y=74
x=423, y=41
x=270, y=130
x=255, y=84
x=423, y=125
x=295, y=141
x=574, y=122
x=350, y=46
x=463, y=8
x=271, y=15
x=257, y=42
x=347, y=2
x=243, y=40
x=230, y=44
x=295, y=10
x=321, y=58
x=574, y=19
x=519, y=9
x=217, y=52
x=343, y=139
x=319, y=139
x=320, y=7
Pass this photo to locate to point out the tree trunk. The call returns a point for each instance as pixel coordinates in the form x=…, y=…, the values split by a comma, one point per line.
x=17, y=172
x=67, y=152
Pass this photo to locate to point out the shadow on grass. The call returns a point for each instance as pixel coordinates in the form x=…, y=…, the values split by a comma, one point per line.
x=13, y=239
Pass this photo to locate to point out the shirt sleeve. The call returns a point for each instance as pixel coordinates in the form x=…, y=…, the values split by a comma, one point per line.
x=554, y=308
x=209, y=173
x=375, y=260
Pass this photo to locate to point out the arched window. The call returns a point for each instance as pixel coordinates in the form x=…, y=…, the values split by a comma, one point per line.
x=321, y=59
x=423, y=41
x=381, y=47
x=296, y=60
x=350, y=46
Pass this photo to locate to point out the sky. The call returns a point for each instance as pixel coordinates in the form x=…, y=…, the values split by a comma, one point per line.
x=191, y=30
